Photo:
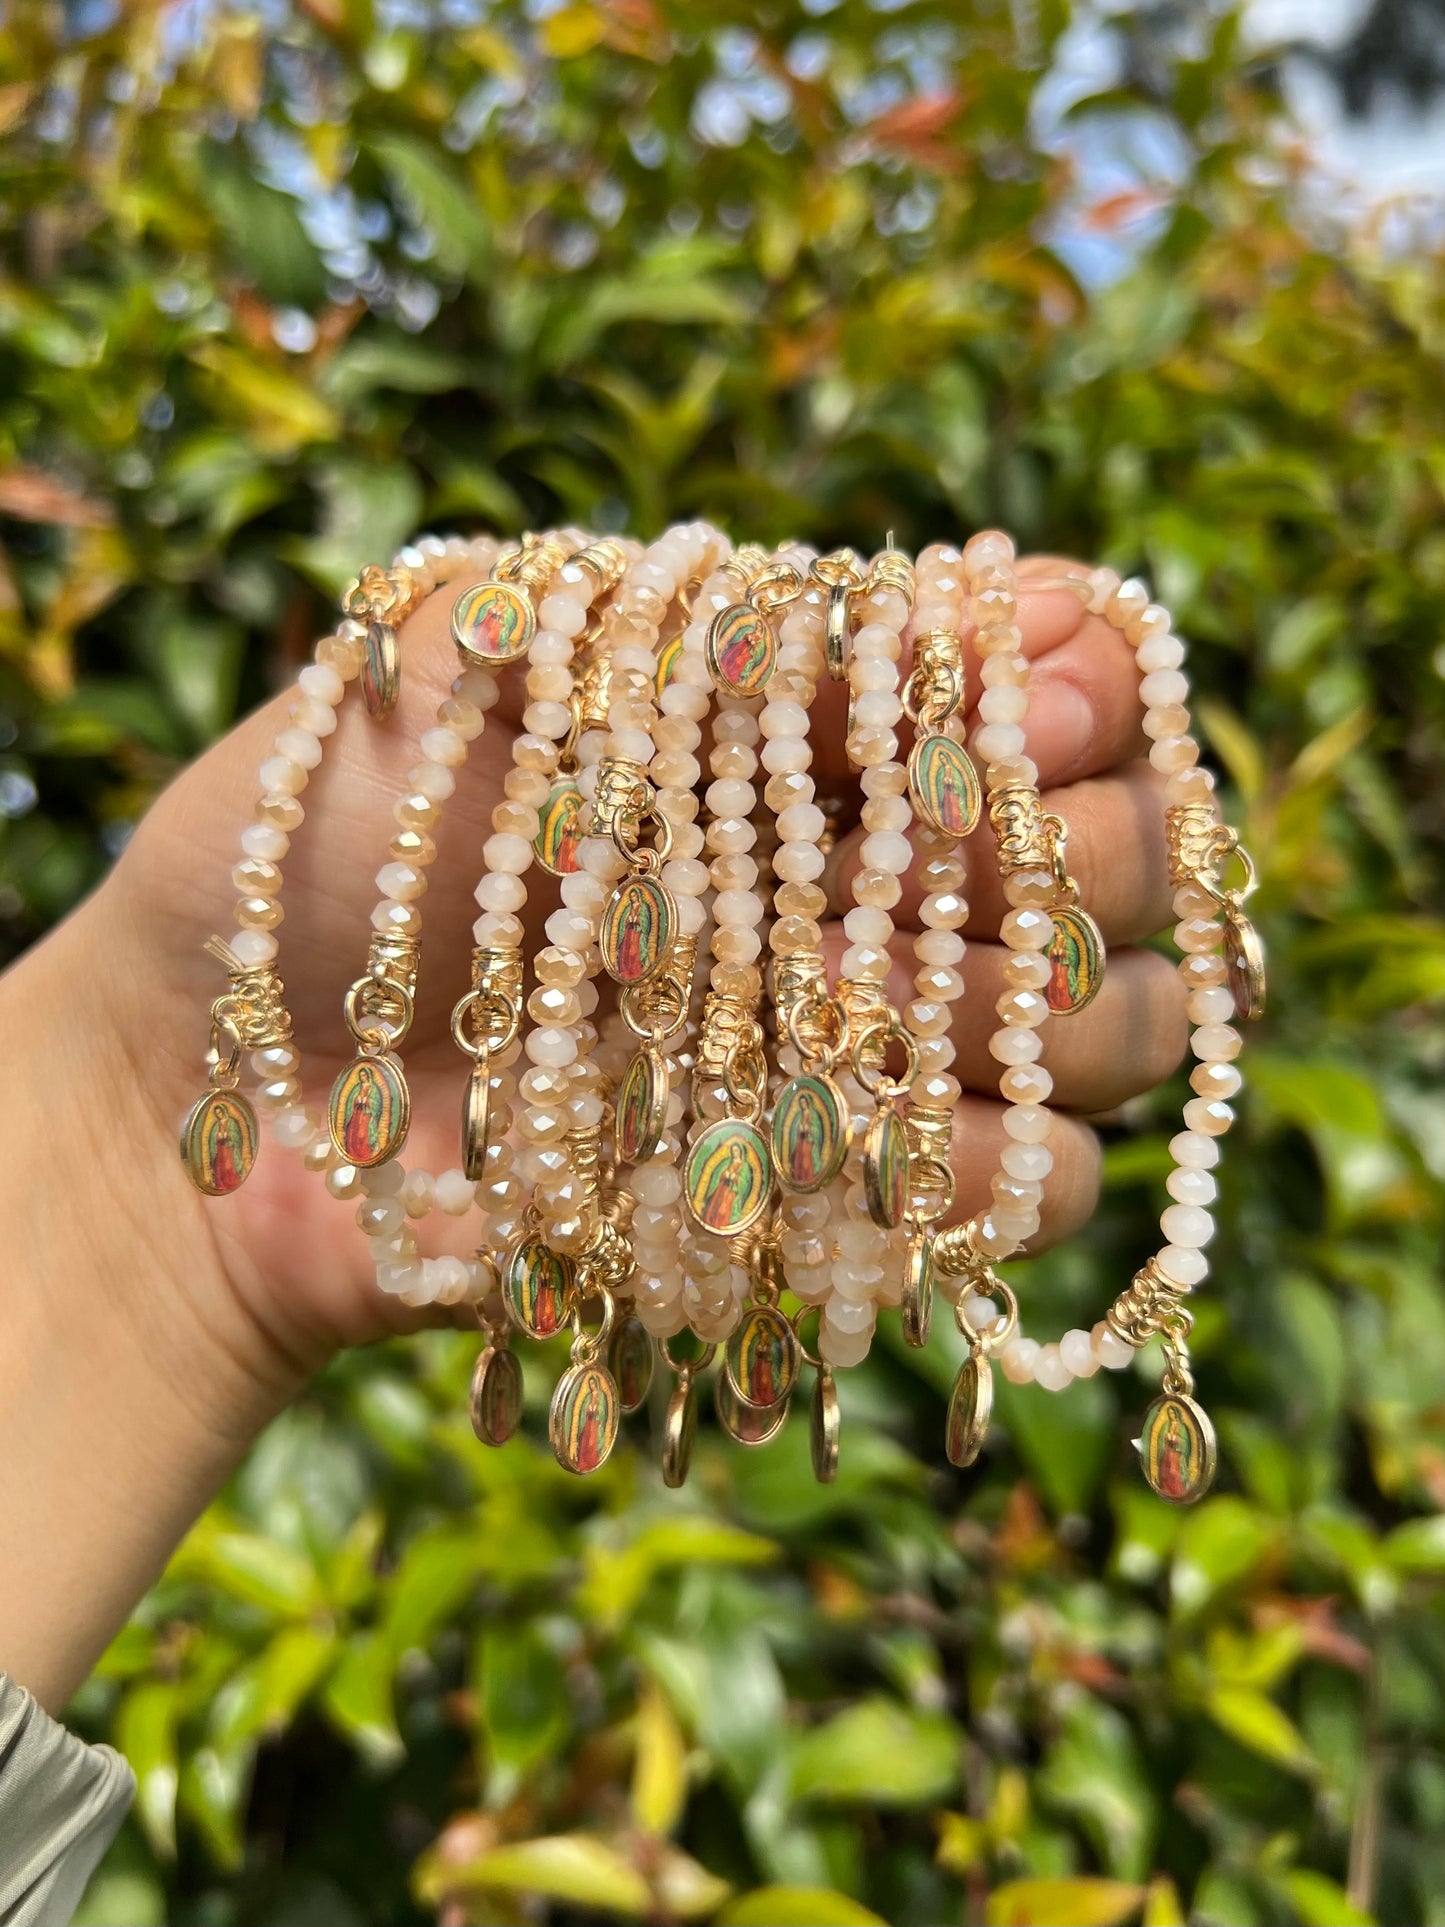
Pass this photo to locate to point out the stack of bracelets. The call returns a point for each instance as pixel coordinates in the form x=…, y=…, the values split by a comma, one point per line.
x=740, y=1156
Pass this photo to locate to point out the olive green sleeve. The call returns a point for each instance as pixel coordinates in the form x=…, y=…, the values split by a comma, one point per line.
x=61, y=1802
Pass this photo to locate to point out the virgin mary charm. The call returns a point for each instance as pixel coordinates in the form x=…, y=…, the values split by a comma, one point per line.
x=370, y=1111
x=494, y=1404
x=1177, y=1448
x=584, y=1418
x=969, y=1407
x=728, y=1177
x=218, y=1142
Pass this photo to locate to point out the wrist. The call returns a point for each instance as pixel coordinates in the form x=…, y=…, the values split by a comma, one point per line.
x=135, y=1377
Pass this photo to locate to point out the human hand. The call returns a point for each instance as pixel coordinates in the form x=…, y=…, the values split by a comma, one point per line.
x=173, y=1325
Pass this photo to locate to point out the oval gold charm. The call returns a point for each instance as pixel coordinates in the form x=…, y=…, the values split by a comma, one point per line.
x=1076, y=961
x=637, y=929
x=917, y=1306
x=492, y=622
x=370, y=1111
x=563, y=826
x=641, y=1116
x=218, y=1142
x=810, y=1133
x=630, y=1359
x=494, y=1403
x=969, y=1406
x=885, y=1168
x=679, y=1429
x=760, y=1360
x=747, y=1424
x=728, y=1177
x=537, y=1288
x=582, y=1424
x=1244, y=965
x=1177, y=1448
x=741, y=650
x=946, y=790
x=668, y=657
x=380, y=670
x=476, y=1104
x=825, y=1428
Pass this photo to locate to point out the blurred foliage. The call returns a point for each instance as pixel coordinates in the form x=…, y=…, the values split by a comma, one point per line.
x=278, y=286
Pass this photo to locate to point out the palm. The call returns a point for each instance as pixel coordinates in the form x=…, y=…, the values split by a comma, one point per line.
x=289, y=1250
x=289, y=1247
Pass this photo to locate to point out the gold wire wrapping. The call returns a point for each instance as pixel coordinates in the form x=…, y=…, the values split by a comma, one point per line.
x=1150, y=1304
x=1197, y=842
x=1021, y=828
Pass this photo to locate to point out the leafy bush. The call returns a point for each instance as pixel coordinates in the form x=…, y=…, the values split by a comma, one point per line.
x=279, y=287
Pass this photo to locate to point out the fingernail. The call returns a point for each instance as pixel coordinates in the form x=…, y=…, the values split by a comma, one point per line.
x=1059, y=727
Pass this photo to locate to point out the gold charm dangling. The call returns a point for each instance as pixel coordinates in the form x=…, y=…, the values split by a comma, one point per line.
x=747, y=1424
x=586, y=1410
x=1028, y=839
x=825, y=1421
x=931, y=1189
x=970, y=1404
x=538, y=1287
x=494, y=1403
x=493, y=622
x=728, y=1177
x=679, y=1427
x=639, y=923
x=761, y=1358
x=742, y=646
x=219, y=1135
x=369, y=1112
x=942, y=780
x=375, y=603
x=631, y=1357
x=811, y=1129
x=562, y=828
x=1199, y=848
x=1176, y=1444
x=825, y=1427
x=655, y=1012
x=484, y=1021
x=1076, y=954
x=840, y=574
x=918, y=1287
x=885, y=1144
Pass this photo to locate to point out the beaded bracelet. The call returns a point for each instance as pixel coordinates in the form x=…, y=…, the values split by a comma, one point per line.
x=803, y=1176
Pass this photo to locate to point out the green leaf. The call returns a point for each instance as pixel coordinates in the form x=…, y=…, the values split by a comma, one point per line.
x=358, y=1698
x=684, y=1888
x=878, y=1751
x=1222, y=1542
x=435, y=195
x=1064, y=1443
x=525, y=1707
x=1093, y=1770
x=796, y=1907
x=659, y=1768
x=1319, y=1902
x=618, y=1576
x=145, y=1732
x=1339, y=1109
x=1078, y=1902
x=247, y=1567
x=572, y=1867
x=437, y=1571
x=1256, y=1722
x=214, y=1786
